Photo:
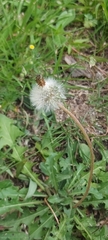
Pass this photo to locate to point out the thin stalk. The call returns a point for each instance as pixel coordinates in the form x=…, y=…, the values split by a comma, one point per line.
x=45, y=200
x=91, y=152
x=47, y=124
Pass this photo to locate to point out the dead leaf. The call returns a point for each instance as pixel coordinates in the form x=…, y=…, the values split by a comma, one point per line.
x=76, y=71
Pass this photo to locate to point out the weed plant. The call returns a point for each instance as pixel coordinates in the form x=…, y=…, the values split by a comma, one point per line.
x=44, y=165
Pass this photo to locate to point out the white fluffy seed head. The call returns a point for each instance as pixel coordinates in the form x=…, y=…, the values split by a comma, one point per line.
x=47, y=97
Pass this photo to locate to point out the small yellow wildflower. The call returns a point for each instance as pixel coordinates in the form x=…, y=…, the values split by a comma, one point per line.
x=31, y=46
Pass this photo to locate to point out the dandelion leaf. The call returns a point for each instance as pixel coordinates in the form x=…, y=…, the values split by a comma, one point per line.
x=8, y=131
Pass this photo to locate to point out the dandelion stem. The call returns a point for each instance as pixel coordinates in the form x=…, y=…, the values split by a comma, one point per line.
x=91, y=152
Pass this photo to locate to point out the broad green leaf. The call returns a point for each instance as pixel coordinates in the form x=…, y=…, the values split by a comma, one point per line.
x=62, y=229
x=5, y=184
x=29, y=217
x=64, y=176
x=96, y=193
x=66, y=17
x=104, y=155
x=19, y=167
x=16, y=205
x=82, y=225
x=51, y=168
x=55, y=199
x=44, y=152
x=31, y=189
x=10, y=192
x=44, y=169
x=84, y=152
x=59, y=40
x=10, y=235
x=48, y=222
x=103, y=188
x=76, y=177
x=18, y=152
x=27, y=171
x=98, y=167
x=51, y=165
x=8, y=131
x=96, y=202
x=103, y=176
x=65, y=163
x=37, y=230
x=26, y=217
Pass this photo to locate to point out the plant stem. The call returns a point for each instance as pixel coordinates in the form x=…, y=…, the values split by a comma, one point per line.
x=91, y=152
x=47, y=124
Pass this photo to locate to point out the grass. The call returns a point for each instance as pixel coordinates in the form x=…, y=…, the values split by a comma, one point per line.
x=44, y=163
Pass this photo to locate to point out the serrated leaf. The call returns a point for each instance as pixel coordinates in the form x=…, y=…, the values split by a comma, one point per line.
x=44, y=152
x=55, y=199
x=104, y=155
x=44, y=169
x=5, y=184
x=96, y=202
x=64, y=163
x=81, y=226
x=11, y=192
x=27, y=217
x=8, y=131
x=27, y=171
x=19, y=167
x=13, y=235
x=18, y=152
x=7, y=206
x=51, y=168
x=104, y=187
x=31, y=189
x=103, y=176
x=77, y=174
x=62, y=229
x=96, y=193
x=37, y=231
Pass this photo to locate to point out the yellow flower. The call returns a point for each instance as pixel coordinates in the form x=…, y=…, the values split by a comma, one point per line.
x=31, y=46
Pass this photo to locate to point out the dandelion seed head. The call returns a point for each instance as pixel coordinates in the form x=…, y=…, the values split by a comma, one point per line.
x=47, y=97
